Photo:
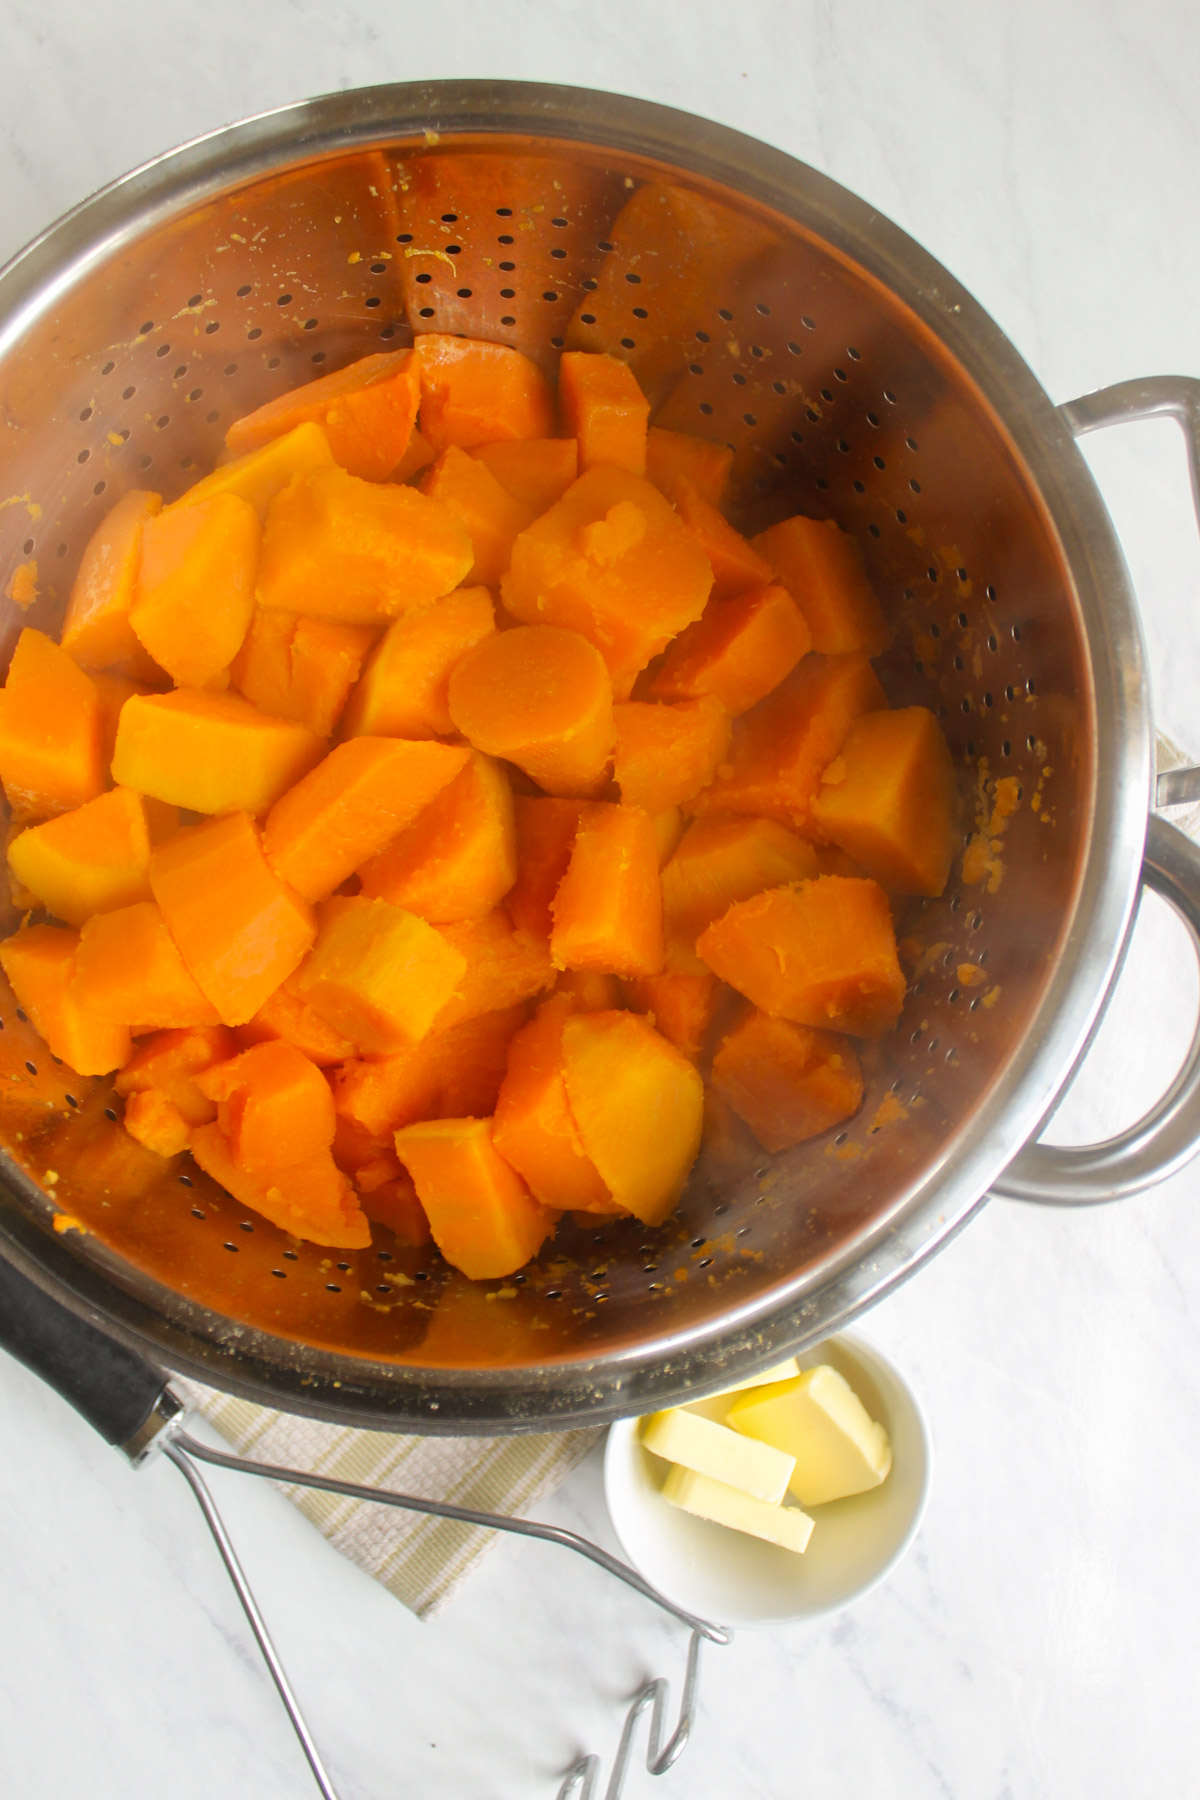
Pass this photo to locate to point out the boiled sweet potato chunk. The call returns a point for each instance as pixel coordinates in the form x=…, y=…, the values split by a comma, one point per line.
x=264, y=472
x=535, y=471
x=96, y=630
x=787, y=1081
x=681, y=1007
x=736, y=653
x=611, y=560
x=736, y=565
x=352, y=804
x=782, y=746
x=40, y=963
x=87, y=861
x=540, y=697
x=477, y=393
x=889, y=800
x=128, y=972
x=608, y=908
x=482, y=1216
x=378, y=974
x=366, y=412
x=503, y=967
x=821, y=566
x=312, y=1200
x=821, y=953
x=638, y=1106
x=405, y=687
x=239, y=928
x=300, y=669
x=152, y=1121
x=718, y=862
x=545, y=832
x=675, y=456
x=273, y=1105
x=394, y=1203
x=211, y=752
x=488, y=513
x=588, y=990
x=666, y=753
x=286, y=1015
x=418, y=456
x=533, y=1128
x=194, y=596
x=458, y=859
x=50, y=731
x=449, y=1074
x=169, y=1062
x=604, y=410
x=336, y=547
x=669, y=827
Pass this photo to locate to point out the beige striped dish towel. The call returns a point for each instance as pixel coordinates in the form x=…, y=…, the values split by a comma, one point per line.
x=420, y=1559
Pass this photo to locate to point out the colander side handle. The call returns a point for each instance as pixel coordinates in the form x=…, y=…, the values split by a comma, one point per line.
x=1168, y=1136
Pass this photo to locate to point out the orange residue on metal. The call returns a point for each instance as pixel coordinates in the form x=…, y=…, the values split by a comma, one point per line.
x=889, y=1112
x=991, y=997
x=846, y=1152
x=995, y=803
x=415, y=250
x=68, y=1222
x=970, y=975
x=926, y=961
x=26, y=500
x=22, y=587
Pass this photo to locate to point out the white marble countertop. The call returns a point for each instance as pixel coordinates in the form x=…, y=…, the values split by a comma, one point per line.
x=1041, y=1640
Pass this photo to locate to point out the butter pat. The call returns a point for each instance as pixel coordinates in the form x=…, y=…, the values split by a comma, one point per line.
x=819, y=1420
x=784, y=1371
x=725, y=1456
x=700, y=1495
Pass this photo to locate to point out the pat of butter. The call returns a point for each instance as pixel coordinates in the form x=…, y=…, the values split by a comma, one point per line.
x=820, y=1421
x=725, y=1456
x=786, y=1526
x=784, y=1371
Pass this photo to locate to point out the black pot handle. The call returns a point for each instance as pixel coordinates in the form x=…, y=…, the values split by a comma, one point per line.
x=115, y=1390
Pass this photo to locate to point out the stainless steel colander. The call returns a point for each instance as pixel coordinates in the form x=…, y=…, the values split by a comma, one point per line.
x=760, y=305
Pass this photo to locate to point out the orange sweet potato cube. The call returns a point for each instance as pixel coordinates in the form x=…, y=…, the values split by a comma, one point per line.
x=50, y=731
x=736, y=565
x=536, y=471
x=211, y=752
x=503, y=967
x=458, y=859
x=821, y=566
x=87, y=861
x=265, y=471
x=718, y=862
x=240, y=930
x=311, y=1199
x=781, y=747
x=545, y=831
x=822, y=953
x=394, y=1203
x=533, y=1128
x=96, y=630
x=613, y=561
x=483, y=1218
x=194, y=595
x=787, y=1081
x=169, y=1062
x=604, y=410
x=449, y=1074
x=665, y=754
x=378, y=974
x=273, y=1105
x=675, y=456
x=155, y=1123
x=40, y=963
x=477, y=393
x=404, y=689
x=681, y=1007
x=889, y=800
x=589, y=990
x=736, y=653
x=285, y=1014
x=540, y=697
x=485, y=509
x=302, y=669
x=608, y=908
x=351, y=805
x=638, y=1107
x=128, y=972
x=337, y=547
x=366, y=412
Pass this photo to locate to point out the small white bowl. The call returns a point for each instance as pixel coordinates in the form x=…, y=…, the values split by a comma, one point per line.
x=735, y=1580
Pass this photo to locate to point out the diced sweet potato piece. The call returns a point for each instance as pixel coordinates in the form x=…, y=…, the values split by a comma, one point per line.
x=351, y=805
x=113, y=691
x=608, y=908
x=889, y=799
x=239, y=928
x=50, y=731
x=169, y=1063
x=418, y=456
x=666, y=754
x=96, y=630
x=545, y=837
x=477, y=393
x=736, y=565
x=787, y=1081
x=404, y=690
x=286, y=1015
x=781, y=747
x=378, y=974
x=822, y=953
x=536, y=471
x=613, y=561
x=503, y=967
x=589, y=990
x=87, y=861
x=39, y=963
x=273, y=1105
x=447, y=1075
x=264, y=472
x=211, y=752
x=483, y=1218
x=604, y=410
x=459, y=857
x=154, y=1122
x=540, y=697
x=737, y=652
x=488, y=513
x=366, y=412
x=669, y=827
x=128, y=972
x=336, y=547
x=718, y=862
x=312, y=1200
x=682, y=1007
x=674, y=456
x=533, y=1128
x=821, y=566
x=194, y=595
x=638, y=1106
x=395, y=1204
x=300, y=669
